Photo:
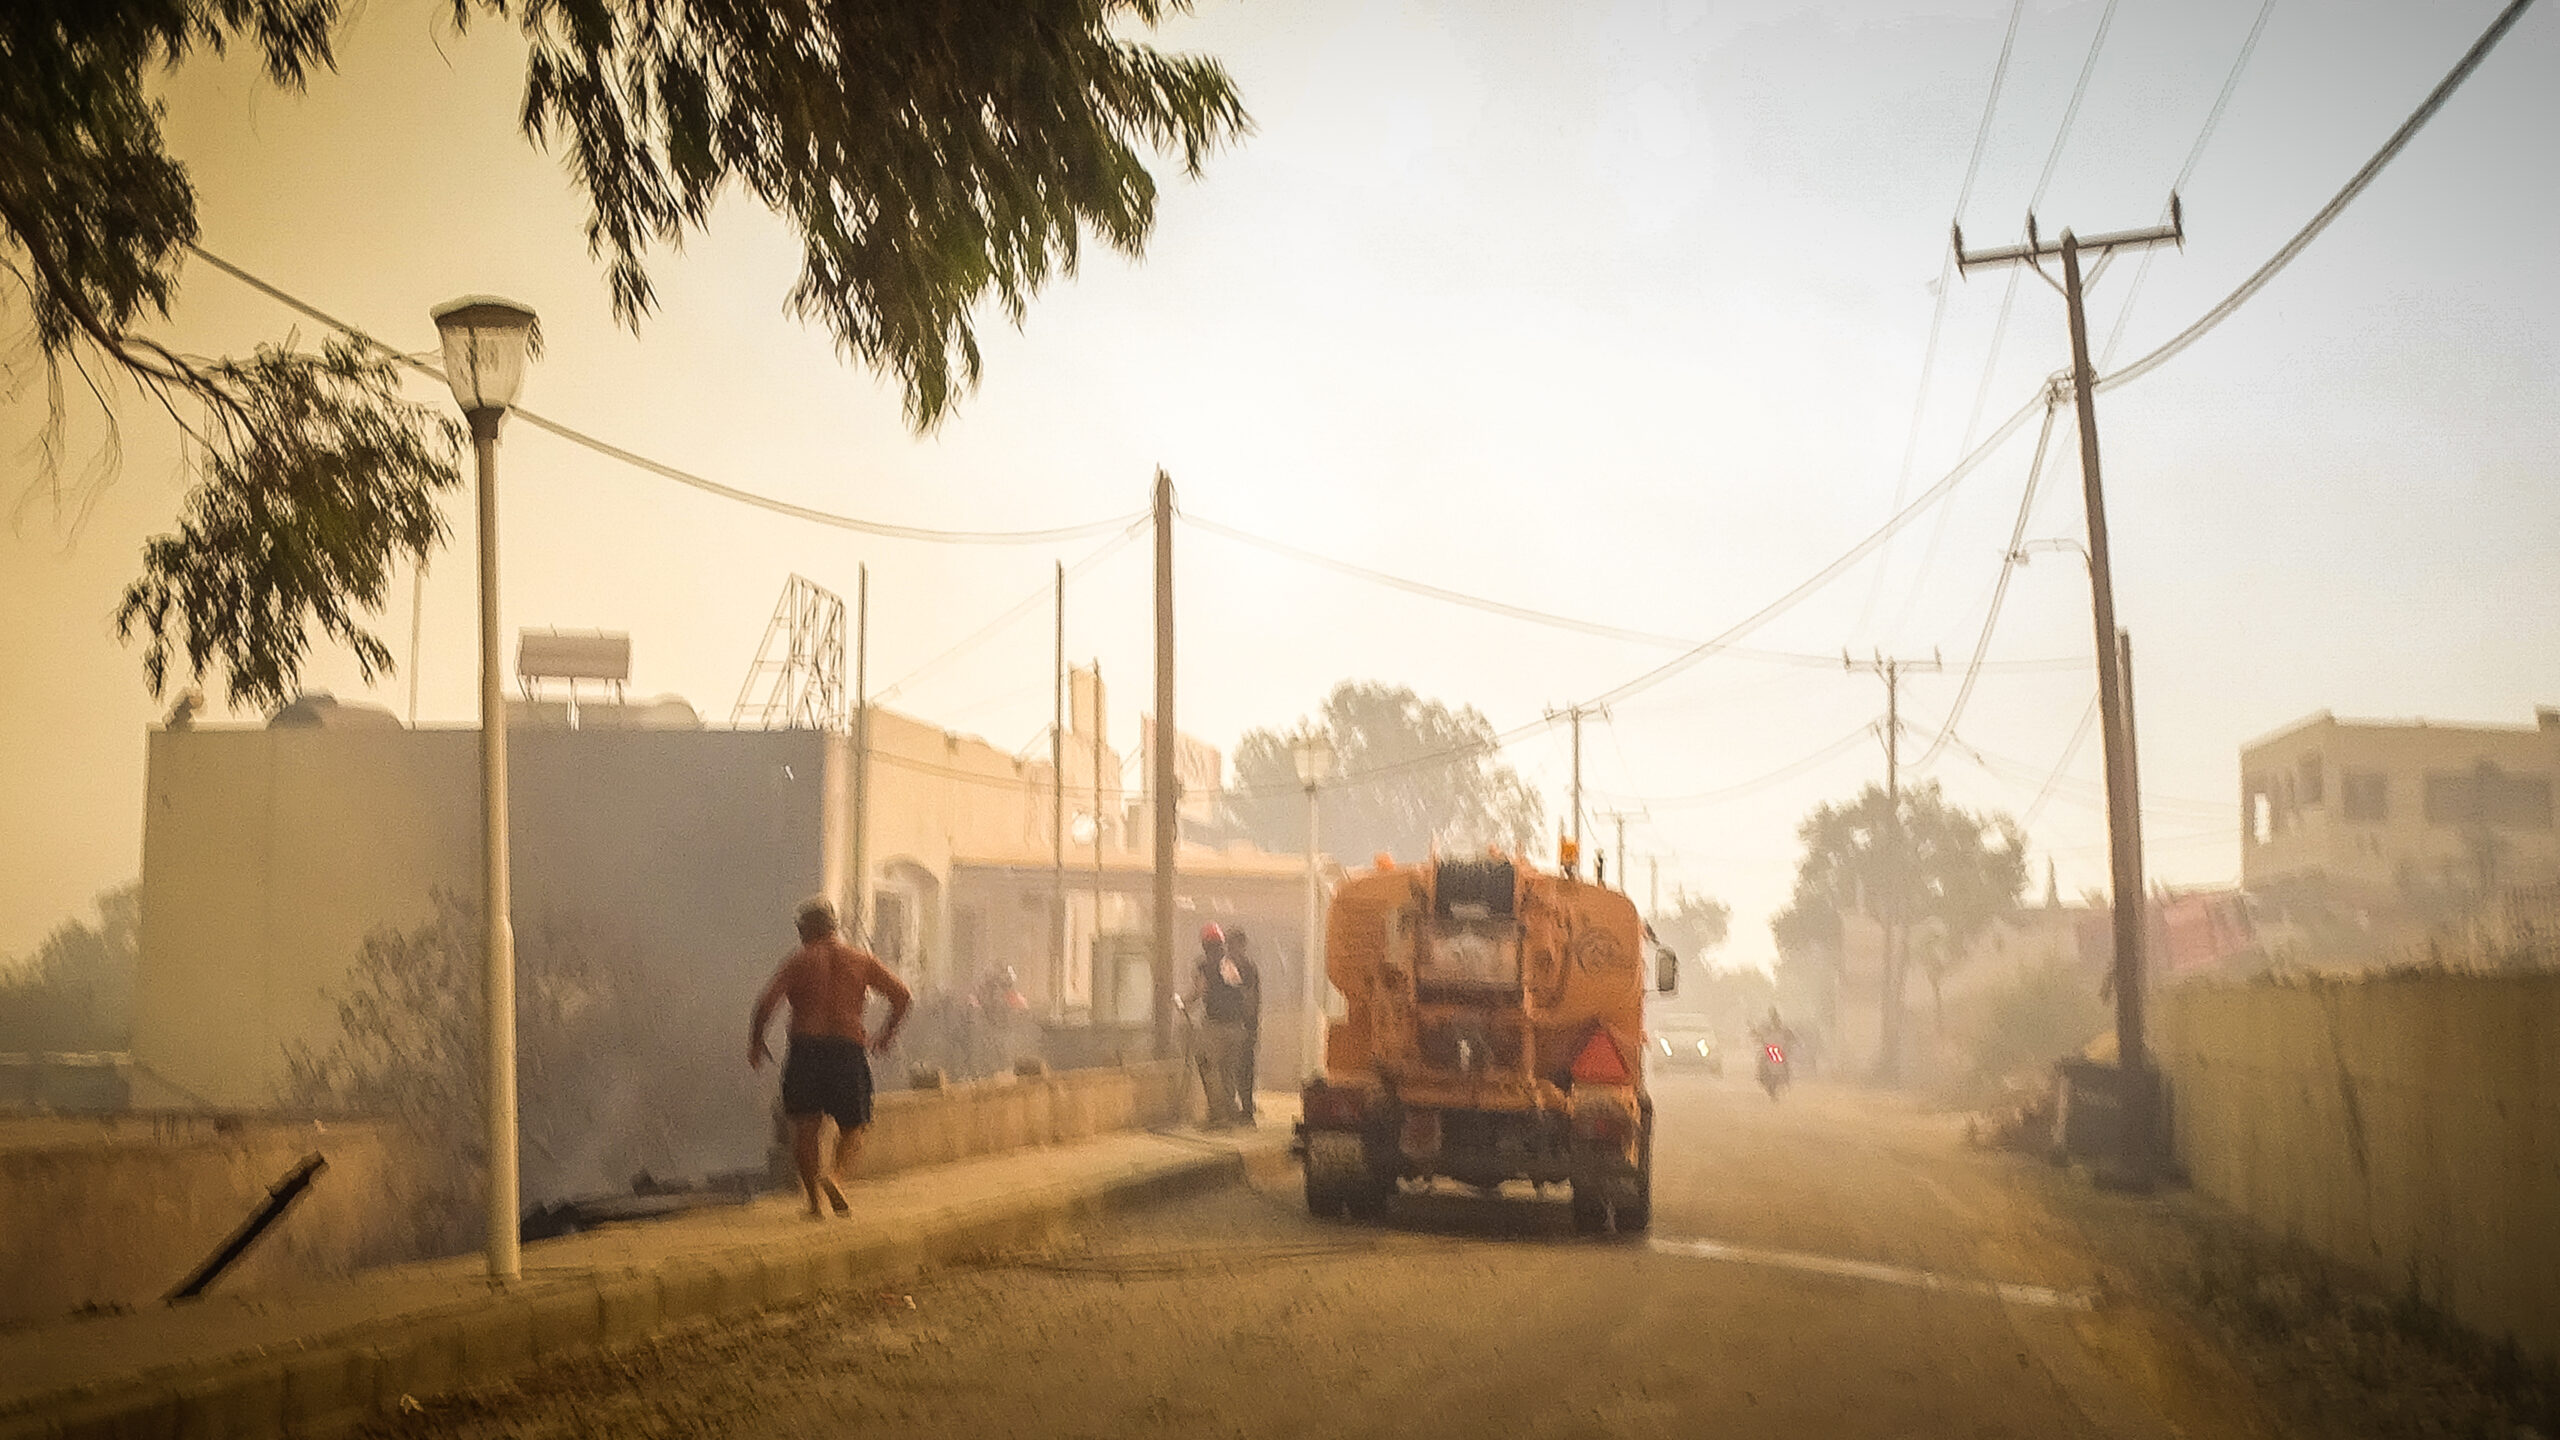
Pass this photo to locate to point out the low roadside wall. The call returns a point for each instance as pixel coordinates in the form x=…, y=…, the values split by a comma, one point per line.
x=981, y=1117
x=2407, y=1126
x=111, y=1211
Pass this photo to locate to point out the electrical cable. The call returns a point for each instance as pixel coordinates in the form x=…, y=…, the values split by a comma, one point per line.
x=1946, y=278
x=1548, y=618
x=2355, y=186
x=1855, y=553
x=669, y=472
x=2000, y=588
x=2009, y=291
x=2204, y=136
x=2070, y=752
x=1013, y=612
x=1788, y=771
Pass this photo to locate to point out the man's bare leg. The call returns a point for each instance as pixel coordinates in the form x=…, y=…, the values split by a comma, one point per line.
x=807, y=1152
x=848, y=1150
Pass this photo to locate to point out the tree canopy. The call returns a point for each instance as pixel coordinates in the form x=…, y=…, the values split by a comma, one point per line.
x=1692, y=925
x=932, y=156
x=1925, y=863
x=1411, y=776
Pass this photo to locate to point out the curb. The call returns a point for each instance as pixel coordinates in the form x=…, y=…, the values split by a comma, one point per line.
x=331, y=1383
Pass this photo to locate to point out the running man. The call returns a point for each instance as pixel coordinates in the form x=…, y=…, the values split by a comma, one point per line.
x=827, y=1074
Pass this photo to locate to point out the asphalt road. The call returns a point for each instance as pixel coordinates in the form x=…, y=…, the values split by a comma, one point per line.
x=1832, y=1265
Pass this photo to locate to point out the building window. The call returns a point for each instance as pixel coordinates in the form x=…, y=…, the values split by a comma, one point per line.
x=2486, y=796
x=2365, y=795
x=2308, y=790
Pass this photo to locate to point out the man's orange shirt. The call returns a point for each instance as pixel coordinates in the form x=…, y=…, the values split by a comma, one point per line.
x=828, y=982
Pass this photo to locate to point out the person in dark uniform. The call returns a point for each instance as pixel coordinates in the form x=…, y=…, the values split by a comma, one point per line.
x=827, y=1074
x=1241, y=951
x=1220, y=997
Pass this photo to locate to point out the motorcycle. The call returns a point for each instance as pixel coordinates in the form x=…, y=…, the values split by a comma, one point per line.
x=1773, y=1067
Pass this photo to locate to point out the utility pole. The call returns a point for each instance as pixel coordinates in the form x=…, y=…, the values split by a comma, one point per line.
x=1575, y=714
x=1095, y=988
x=1168, y=801
x=862, y=758
x=1897, y=855
x=417, y=624
x=1625, y=876
x=1058, y=809
x=2124, y=838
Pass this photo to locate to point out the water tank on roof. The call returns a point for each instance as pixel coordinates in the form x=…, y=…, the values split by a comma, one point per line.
x=320, y=710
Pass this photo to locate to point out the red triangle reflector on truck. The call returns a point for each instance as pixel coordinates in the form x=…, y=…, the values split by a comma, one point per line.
x=1600, y=1062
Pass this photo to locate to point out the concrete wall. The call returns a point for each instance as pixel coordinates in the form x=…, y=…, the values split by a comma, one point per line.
x=2406, y=1126
x=910, y=1128
x=269, y=855
x=119, y=1211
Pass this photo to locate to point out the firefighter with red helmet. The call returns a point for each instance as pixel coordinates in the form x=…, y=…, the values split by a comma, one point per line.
x=1224, y=995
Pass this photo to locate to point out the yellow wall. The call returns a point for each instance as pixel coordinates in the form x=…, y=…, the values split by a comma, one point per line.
x=2405, y=1126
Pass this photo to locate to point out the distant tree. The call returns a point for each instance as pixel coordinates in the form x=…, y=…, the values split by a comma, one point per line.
x=931, y=158
x=76, y=991
x=1925, y=863
x=1694, y=925
x=1411, y=775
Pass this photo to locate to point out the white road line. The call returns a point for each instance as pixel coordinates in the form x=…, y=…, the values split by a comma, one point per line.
x=2043, y=1295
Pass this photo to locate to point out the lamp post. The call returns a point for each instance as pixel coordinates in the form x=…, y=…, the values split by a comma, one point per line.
x=1315, y=766
x=486, y=344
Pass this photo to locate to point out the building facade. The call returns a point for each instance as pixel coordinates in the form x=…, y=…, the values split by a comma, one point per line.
x=272, y=853
x=2391, y=813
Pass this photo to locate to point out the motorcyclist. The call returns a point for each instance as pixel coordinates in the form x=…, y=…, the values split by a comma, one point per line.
x=1772, y=1034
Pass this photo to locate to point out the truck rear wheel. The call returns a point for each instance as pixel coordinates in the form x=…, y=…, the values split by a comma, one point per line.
x=1340, y=1180
x=1604, y=1201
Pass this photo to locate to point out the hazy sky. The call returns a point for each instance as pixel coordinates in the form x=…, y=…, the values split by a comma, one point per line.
x=1615, y=310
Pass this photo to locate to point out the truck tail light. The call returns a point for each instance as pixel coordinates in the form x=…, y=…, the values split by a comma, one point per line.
x=1600, y=1062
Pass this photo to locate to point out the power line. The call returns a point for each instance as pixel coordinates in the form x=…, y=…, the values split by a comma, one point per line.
x=1946, y=278
x=1543, y=617
x=2000, y=587
x=669, y=472
x=2009, y=292
x=2070, y=752
x=1013, y=612
x=1783, y=773
x=2337, y=205
x=1830, y=572
x=2204, y=136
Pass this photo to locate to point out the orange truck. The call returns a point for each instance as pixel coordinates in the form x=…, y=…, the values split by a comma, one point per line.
x=1493, y=1030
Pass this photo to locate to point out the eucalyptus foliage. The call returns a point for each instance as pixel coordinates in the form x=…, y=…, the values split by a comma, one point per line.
x=933, y=155
x=1410, y=776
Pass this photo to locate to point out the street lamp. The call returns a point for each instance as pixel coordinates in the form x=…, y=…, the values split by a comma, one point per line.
x=486, y=344
x=1314, y=752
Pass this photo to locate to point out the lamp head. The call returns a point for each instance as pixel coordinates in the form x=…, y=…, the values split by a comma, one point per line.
x=486, y=343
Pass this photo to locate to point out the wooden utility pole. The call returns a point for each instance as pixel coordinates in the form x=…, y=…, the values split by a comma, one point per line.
x=1626, y=877
x=1575, y=714
x=861, y=901
x=1058, y=809
x=2115, y=727
x=1167, y=794
x=1098, y=985
x=1897, y=855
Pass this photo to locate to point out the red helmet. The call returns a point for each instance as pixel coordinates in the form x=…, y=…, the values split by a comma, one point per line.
x=1210, y=934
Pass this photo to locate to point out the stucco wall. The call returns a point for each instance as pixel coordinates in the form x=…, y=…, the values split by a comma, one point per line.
x=910, y=1128
x=2407, y=1126
x=269, y=855
x=117, y=1211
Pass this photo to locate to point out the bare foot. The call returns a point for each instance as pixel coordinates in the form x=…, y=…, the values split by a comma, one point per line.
x=835, y=1197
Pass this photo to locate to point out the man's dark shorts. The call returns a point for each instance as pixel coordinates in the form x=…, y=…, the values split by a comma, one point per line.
x=827, y=1074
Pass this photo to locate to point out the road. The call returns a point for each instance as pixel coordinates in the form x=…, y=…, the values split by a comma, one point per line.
x=1833, y=1265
